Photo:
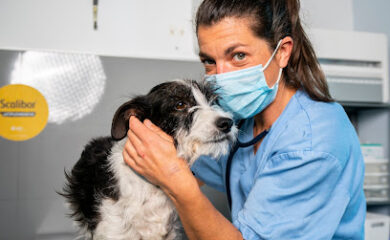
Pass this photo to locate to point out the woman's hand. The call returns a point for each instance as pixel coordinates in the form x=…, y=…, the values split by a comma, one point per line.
x=151, y=153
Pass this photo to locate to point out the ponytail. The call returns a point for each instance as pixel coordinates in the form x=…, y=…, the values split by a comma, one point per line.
x=273, y=20
x=303, y=69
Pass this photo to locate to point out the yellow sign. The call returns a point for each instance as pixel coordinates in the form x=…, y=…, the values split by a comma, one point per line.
x=23, y=112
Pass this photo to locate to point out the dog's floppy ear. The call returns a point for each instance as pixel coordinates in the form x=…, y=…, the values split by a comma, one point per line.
x=137, y=107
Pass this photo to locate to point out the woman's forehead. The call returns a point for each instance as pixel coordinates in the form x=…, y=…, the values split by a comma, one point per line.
x=228, y=33
x=228, y=27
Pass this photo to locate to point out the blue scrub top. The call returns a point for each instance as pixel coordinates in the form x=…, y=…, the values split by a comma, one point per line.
x=305, y=181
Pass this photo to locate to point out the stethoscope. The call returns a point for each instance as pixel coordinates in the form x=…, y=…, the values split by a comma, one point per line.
x=234, y=149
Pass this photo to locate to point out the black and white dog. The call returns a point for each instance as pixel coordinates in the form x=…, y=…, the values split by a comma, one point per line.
x=108, y=199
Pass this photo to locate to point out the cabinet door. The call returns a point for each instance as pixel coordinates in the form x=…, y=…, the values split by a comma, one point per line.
x=129, y=28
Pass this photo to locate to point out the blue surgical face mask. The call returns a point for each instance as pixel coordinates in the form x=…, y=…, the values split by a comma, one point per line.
x=245, y=92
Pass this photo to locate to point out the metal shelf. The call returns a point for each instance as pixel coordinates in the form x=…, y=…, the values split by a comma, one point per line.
x=378, y=203
x=367, y=105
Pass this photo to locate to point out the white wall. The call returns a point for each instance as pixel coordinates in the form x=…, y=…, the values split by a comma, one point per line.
x=329, y=14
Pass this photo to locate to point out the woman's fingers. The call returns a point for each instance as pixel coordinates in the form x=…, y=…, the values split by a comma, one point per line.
x=136, y=143
x=151, y=152
x=147, y=131
x=131, y=151
x=140, y=130
x=157, y=130
x=129, y=155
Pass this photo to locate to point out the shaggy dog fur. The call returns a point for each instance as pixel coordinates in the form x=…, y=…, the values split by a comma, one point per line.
x=108, y=199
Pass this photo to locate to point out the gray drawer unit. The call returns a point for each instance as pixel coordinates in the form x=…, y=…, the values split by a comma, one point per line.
x=355, y=91
x=354, y=63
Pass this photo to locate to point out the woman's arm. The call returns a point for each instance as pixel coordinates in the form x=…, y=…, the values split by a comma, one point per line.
x=151, y=153
x=201, y=220
x=200, y=182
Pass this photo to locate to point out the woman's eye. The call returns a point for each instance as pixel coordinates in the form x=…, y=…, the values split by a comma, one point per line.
x=239, y=56
x=207, y=62
x=180, y=106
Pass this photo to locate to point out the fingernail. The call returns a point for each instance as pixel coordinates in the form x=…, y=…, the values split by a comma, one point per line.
x=131, y=120
x=148, y=123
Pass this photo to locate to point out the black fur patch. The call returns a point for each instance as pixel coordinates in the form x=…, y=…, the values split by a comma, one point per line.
x=89, y=181
x=159, y=106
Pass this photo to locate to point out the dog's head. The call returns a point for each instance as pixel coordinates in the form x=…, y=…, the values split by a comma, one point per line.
x=186, y=110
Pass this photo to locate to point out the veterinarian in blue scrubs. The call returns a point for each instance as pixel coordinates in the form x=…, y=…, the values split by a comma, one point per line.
x=303, y=179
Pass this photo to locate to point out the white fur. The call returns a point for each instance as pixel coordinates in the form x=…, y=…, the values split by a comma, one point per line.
x=143, y=211
x=201, y=139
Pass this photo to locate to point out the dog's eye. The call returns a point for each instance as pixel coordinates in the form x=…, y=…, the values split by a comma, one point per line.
x=180, y=106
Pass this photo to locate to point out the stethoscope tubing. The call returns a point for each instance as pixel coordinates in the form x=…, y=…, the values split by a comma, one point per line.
x=234, y=149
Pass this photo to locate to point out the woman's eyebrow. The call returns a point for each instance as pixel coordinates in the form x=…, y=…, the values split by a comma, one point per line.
x=226, y=52
x=231, y=49
x=203, y=55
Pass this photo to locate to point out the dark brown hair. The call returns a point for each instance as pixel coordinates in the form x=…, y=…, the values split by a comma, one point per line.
x=273, y=20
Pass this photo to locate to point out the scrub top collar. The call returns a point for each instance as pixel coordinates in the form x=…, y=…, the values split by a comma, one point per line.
x=246, y=132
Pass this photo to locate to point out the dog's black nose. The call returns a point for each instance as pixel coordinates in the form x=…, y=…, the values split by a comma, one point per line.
x=224, y=124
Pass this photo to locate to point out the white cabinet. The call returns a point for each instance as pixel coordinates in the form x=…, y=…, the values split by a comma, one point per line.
x=355, y=64
x=129, y=28
x=377, y=227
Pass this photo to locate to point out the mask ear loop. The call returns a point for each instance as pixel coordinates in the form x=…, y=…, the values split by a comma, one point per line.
x=279, y=77
x=270, y=60
x=273, y=54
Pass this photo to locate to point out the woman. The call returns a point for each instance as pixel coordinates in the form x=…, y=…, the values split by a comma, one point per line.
x=303, y=179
